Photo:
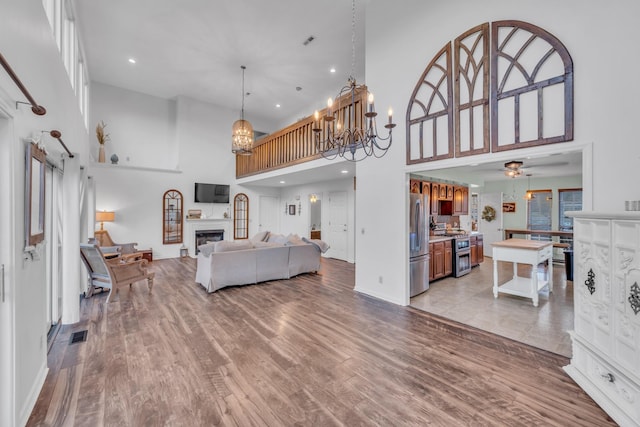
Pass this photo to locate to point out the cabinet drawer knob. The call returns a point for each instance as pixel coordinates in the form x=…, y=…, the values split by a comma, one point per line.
x=609, y=377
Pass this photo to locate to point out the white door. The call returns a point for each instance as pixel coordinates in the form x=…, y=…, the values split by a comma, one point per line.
x=268, y=214
x=491, y=230
x=338, y=225
x=7, y=301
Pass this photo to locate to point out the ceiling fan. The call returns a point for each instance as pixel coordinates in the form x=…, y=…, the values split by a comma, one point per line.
x=512, y=169
x=516, y=168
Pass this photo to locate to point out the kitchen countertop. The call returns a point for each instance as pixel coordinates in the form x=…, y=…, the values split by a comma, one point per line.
x=436, y=238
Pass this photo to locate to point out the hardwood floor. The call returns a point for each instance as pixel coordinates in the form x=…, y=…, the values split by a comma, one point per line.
x=306, y=351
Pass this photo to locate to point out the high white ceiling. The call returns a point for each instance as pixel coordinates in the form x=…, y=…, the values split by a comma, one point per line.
x=195, y=48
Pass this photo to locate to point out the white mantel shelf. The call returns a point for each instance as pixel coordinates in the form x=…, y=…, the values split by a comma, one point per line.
x=193, y=225
x=128, y=167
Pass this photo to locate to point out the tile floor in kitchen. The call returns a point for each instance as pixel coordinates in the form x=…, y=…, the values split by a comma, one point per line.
x=469, y=300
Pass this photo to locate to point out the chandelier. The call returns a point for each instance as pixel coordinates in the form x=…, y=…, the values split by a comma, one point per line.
x=344, y=131
x=512, y=169
x=242, y=131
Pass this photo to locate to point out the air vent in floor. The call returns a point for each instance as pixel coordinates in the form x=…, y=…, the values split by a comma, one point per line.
x=77, y=337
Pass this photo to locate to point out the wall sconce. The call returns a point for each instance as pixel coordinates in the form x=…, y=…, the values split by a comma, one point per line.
x=313, y=198
x=105, y=216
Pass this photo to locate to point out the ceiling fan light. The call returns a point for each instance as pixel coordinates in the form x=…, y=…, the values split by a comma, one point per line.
x=513, y=164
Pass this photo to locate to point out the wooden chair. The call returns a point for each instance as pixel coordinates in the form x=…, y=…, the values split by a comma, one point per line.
x=111, y=274
x=103, y=239
x=110, y=249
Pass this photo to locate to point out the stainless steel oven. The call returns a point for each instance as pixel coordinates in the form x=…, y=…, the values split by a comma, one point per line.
x=461, y=256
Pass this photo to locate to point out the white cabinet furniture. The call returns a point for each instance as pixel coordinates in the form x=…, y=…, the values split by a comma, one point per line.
x=532, y=252
x=606, y=335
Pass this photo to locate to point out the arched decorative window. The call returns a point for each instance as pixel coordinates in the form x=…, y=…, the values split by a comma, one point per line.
x=240, y=216
x=172, y=217
x=532, y=87
x=429, y=115
x=526, y=77
x=472, y=91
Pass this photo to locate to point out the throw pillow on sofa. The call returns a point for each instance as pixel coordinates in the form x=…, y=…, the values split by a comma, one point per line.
x=261, y=236
x=277, y=238
x=293, y=240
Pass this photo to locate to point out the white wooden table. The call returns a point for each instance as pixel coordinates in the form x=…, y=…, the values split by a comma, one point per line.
x=532, y=252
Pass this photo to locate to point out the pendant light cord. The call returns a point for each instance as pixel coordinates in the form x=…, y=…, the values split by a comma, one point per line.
x=353, y=38
x=242, y=110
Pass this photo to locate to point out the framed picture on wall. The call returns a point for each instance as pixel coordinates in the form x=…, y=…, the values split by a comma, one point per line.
x=509, y=207
x=292, y=209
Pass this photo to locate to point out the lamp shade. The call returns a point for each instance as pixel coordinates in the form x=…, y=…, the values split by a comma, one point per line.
x=105, y=216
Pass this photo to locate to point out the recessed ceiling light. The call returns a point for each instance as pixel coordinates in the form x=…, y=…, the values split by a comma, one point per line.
x=344, y=171
x=281, y=182
x=132, y=61
x=332, y=70
x=277, y=105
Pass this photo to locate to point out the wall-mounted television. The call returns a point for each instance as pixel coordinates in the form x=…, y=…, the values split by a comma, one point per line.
x=211, y=193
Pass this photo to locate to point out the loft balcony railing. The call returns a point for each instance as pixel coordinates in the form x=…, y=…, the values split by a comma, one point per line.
x=296, y=144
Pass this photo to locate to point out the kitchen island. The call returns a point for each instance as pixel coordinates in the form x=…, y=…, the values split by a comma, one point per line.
x=532, y=252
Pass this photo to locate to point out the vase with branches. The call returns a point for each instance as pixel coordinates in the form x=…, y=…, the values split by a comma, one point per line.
x=102, y=139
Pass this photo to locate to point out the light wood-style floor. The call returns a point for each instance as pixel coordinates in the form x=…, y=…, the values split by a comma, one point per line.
x=307, y=352
x=469, y=300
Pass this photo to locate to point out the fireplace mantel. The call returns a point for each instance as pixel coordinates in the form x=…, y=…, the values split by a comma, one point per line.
x=194, y=225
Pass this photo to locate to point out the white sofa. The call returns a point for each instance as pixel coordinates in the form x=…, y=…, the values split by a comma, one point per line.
x=222, y=264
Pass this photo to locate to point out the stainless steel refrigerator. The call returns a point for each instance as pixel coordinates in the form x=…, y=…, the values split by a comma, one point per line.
x=418, y=243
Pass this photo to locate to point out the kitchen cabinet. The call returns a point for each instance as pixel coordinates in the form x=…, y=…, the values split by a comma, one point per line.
x=415, y=186
x=431, y=258
x=441, y=260
x=448, y=258
x=477, y=249
x=435, y=196
x=438, y=260
x=460, y=200
x=446, y=192
x=426, y=188
x=449, y=192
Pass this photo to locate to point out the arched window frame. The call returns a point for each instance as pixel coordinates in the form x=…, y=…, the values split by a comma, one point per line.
x=472, y=55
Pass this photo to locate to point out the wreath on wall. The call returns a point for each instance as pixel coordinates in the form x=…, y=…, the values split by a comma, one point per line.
x=488, y=213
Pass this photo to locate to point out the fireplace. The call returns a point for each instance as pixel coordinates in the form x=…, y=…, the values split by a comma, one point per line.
x=204, y=236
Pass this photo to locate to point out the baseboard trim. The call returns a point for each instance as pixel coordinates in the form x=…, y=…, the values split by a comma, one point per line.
x=32, y=397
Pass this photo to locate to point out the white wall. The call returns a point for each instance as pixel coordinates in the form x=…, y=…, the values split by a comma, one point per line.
x=301, y=224
x=28, y=45
x=194, y=146
x=519, y=187
x=402, y=37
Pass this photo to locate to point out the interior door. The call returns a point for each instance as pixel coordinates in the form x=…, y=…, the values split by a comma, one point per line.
x=268, y=214
x=492, y=231
x=338, y=225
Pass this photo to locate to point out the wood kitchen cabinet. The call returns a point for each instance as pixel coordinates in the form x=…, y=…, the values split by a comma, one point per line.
x=446, y=192
x=431, y=258
x=438, y=260
x=441, y=260
x=477, y=249
x=460, y=200
x=448, y=258
x=415, y=186
x=435, y=196
x=426, y=188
